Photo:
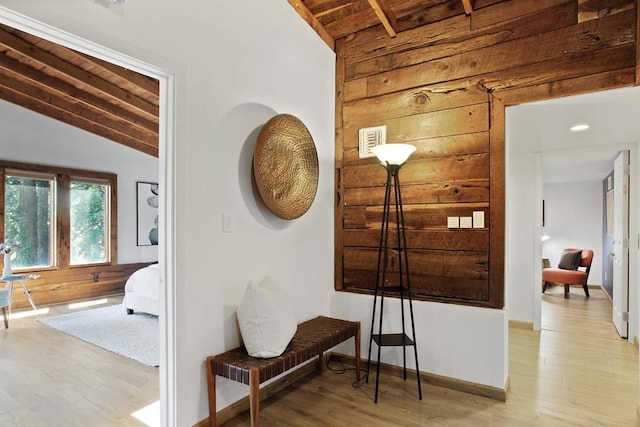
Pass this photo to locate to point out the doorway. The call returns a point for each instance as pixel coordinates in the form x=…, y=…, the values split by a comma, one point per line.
x=166, y=256
x=539, y=146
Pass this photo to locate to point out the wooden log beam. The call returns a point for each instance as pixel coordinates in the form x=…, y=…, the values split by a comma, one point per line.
x=313, y=22
x=147, y=83
x=33, y=104
x=385, y=15
x=39, y=78
x=83, y=77
x=468, y=6
x=45, y=97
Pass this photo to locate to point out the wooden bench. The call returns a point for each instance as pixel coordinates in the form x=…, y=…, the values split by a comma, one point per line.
x=311, y=339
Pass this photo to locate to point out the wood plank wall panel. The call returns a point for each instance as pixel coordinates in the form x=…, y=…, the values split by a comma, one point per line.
x=339, y=150
x=583, y=38
x=637, y=82
x=438, y=87
x=57, y=286
x=429, y=43
x=594, y=9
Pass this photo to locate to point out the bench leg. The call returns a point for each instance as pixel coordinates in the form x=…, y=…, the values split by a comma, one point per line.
x=254, y=396
x=357, y=340
x=320, y=362
x=211, y=386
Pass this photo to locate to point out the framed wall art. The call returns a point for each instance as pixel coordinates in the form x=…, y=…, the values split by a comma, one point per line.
x=147, y=213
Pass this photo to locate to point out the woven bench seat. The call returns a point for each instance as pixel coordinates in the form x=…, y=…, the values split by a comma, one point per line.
x=311, y=339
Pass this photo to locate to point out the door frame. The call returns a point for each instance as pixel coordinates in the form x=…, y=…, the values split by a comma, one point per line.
x=546, y=91
x=166, y=179
x=622, y=294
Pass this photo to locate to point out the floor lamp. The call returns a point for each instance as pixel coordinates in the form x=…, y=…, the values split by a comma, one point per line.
x=392, y=157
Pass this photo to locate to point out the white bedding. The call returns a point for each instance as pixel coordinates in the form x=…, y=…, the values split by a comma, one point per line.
x=142, y=291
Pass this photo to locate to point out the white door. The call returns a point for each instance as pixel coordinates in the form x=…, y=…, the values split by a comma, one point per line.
x=621, y=243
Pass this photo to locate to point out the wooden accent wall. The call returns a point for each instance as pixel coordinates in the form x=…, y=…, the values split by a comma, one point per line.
x=77, y=283
x=444, y=87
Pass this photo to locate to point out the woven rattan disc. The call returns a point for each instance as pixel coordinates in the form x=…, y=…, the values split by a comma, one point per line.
x=285, y=164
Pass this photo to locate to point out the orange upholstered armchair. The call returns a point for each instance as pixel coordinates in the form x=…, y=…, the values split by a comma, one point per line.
x=569, y=271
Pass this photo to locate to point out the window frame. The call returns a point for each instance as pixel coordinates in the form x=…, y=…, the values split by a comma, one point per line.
x=108, y=219
x=54, y=216
x=62, y=204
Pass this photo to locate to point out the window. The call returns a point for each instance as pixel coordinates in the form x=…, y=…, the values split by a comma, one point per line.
x=29, y=218
x=89, y=222
x=61, y=218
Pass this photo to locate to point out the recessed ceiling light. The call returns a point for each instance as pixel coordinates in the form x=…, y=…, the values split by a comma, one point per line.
x=579, y=127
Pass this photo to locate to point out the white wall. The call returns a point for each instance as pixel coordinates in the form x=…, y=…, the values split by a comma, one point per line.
x=467, y=343
x=33, y=138
x=236, y=65
x=573, y=219
x=520, y=235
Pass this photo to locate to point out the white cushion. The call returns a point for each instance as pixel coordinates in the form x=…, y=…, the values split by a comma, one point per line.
x=266, y=319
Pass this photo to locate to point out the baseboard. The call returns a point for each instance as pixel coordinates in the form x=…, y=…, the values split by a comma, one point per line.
x=242, y=405
x=437, y=380
x=519, y=324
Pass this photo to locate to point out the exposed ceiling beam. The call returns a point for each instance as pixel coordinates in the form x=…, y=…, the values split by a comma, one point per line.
x=313, y=22
x=46, y=97
x=140, y=80
x=468, y=6
x=385, y=15
x=40, y=105
x=68, y=90
x=81, y=76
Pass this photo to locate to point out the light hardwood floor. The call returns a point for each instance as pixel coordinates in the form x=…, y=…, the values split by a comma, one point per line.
x=50, y=379
x=575, y=372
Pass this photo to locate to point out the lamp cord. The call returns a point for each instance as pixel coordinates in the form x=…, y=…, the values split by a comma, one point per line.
x=341, y=369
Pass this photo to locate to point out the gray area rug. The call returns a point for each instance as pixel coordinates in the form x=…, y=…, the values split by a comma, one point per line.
x=135, y=336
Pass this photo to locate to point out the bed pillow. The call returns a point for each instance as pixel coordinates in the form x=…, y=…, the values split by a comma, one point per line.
x=266, y=319
x=570, y=260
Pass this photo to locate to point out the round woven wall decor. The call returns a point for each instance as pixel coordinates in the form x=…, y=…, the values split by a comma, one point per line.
x=285, y=164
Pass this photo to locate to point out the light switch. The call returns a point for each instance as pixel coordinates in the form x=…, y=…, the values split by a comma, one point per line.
x=478, y=219
x=453, y=222
x=465, y=222
x=226, y=223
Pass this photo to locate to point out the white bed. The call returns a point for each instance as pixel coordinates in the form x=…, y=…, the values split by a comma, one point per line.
x=142, y=291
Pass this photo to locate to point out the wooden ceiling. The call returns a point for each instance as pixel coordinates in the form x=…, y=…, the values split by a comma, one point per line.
x=334, y=19
x=93, y=95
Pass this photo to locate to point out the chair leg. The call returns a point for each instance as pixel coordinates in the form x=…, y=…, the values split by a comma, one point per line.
x=586, y=290
x=545, y=286
x=566, y=291
x=6, y=318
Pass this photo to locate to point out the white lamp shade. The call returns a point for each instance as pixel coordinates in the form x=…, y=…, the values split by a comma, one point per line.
x=393, y=154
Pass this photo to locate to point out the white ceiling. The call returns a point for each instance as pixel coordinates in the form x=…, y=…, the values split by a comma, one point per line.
x=614, y=120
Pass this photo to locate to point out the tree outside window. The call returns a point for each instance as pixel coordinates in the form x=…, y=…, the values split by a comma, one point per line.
x=89, y=222
x=60, y=217
x=29, y=219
